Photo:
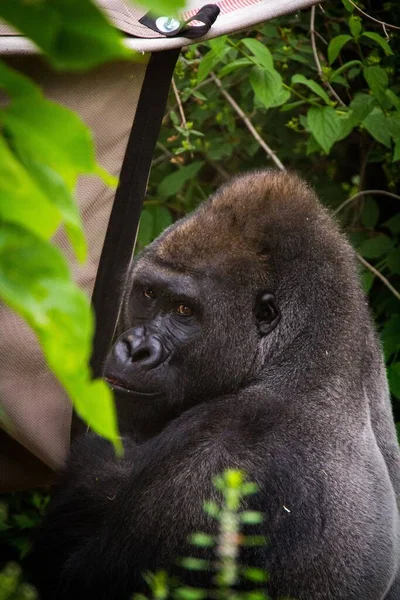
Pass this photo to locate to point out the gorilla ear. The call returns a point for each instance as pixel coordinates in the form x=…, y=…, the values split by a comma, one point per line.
x=267, y=313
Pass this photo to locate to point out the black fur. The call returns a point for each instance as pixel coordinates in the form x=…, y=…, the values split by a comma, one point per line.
x=277, y=372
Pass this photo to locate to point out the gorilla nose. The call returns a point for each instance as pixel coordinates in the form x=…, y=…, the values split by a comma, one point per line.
x=136, y=347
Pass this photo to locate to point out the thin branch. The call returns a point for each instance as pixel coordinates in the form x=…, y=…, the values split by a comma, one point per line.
x=179, y=103
x=379, y=275
x=317, y=61
x=382, y=23
x=364, y=193
x=247, y=122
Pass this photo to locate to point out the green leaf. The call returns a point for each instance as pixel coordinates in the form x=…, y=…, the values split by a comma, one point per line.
x=355, y=25
x=370, y=214
x=372, y=35
x=173, y=183
x=348, y=6
x=393, y=224
x=73, y=34
x=54, y=187
x=187, y=593
x=35, y=282
x=391, y=336
x=234, y=65
x=325, y=125
x=39, y=126
x=335, y=46
x=377, y=125
x=267, y=87
x=394, y=379
x=260, y=52
x=208, y=62
x=251, y=517
x=360, y=107
x=393, y=261
x=393, y=99
x=194, y=564
x=202, y=539
x=376, y=247
x=22, y=201
x=396, y=154
x=212, y=509
x=367, y=280
x=146, y=228
x=312, y=85
x=254, y=574
x=162, y=219
x=378, y=81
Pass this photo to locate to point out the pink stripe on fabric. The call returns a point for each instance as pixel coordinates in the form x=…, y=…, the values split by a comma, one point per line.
x=226, y=7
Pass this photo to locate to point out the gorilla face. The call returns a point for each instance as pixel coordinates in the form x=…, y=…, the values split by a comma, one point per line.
x=175, y=351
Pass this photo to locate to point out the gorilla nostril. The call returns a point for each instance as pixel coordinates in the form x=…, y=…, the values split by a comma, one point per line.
x=140, y=355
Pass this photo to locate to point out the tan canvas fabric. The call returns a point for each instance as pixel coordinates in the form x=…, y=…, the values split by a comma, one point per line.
x=235, y=15
x=39, y=412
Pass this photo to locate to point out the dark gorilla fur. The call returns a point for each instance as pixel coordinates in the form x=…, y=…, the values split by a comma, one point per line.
x=276, y=370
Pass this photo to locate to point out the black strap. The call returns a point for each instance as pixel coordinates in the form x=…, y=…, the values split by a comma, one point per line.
x=123, y=224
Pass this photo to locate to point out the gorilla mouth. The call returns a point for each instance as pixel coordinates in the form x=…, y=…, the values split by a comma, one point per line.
x=117, y=384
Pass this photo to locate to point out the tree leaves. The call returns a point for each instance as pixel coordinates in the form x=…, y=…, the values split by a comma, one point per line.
x=376, y=247
x=73, y=34
x=378, y=39
x=260, y=52
x=43, y=150
x=378, y=81
x=377, y=125
x=335, y=46
x=35, y=282
x=176, y=180
x=267, y=87
x=325, y=125
x=312, y=85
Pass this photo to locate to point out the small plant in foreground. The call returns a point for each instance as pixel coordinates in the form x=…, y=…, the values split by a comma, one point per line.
x=226, y=543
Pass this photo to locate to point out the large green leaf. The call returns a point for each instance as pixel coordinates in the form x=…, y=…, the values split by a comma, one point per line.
x=376, y=247
x=325, y=125
x=378, y=81
x=394, y=382
x=209, y=61
x=378, y=39
x=35, y=282
x=260, y=52
x=377, y=125
x=312, y=85
x=174, y=182
x=267, y=87
x=74, y=34
x=21, y=199
x=335, y=46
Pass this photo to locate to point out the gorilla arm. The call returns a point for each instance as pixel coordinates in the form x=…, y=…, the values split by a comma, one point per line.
x=114, y=519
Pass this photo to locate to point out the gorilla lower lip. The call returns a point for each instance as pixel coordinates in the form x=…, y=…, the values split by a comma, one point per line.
x=119, y=385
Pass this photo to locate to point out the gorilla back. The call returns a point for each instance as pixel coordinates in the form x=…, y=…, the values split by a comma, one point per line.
x=247, y=343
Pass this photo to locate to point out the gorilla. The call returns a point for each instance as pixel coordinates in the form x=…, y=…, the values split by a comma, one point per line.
x=246, y=343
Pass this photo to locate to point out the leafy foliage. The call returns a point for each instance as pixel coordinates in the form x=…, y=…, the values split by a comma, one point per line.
x=38, y=176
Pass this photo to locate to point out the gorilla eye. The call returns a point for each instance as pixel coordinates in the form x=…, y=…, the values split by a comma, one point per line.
x=184, y=310
x=149, y=294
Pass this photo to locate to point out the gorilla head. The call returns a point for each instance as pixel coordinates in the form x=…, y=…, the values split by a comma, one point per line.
x=214, y=304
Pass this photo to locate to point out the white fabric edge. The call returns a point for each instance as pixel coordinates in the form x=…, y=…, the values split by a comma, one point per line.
x=227, y=23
